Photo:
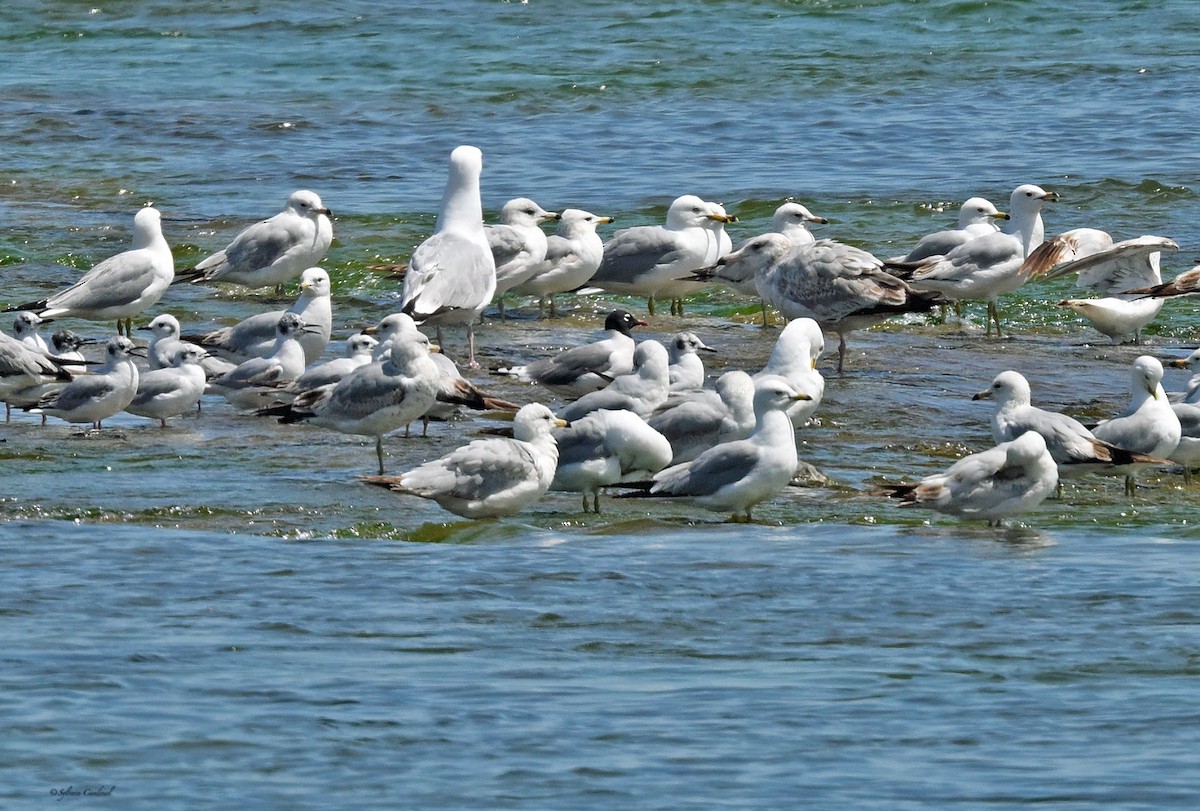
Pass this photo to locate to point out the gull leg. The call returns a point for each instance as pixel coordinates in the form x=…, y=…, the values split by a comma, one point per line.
x=650, y=305
x=841, y=351
x=379, y=452
x=1130, y=486
x=471, y=362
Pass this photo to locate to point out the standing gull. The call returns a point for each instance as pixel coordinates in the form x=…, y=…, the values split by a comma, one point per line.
x=976, y=217
x=246, y=385
x=518, y=244
x=604, y=448
x=96, y=397
x=790, y=220
x=572, y=257
x=489, y=478
x=271, y=252
x=451, y=276
x=169, y=392
x=254, y=337
x=735, y=476
x=1149, y=425
x=121, y=286
x=839, y=286
x=585, y=368
x=641, y=391
x=1012, y=478
x=1073, y=447
x=374, y=399
x=654, y=260
x=988, y=266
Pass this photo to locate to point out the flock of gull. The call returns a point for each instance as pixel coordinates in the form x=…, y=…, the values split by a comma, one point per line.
x=640, y=419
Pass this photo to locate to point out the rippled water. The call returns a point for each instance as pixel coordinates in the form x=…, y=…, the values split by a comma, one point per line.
x=219, y=613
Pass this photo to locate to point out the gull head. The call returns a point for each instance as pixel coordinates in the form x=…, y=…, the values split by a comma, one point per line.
x=1007, y=388
x=307, y=204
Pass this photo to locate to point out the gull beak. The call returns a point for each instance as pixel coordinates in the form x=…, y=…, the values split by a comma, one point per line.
x=435, y=348
x=324, y=211
x=725, y=218
x=306, y=285
x=1000, y=215
x=369, y=330
x=1178, y=363
x=605, y=220
x=139, y=351
x=801, y=396
x=1051, y=196
x=551, y=215
x=561, y=423
x=703, y=348
x=821, y=220
x=983, y=395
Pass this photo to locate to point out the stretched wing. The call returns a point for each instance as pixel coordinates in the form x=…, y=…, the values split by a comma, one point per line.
x=1126, y=265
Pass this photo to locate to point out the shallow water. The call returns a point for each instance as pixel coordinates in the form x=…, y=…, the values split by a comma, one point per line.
x=220, y=612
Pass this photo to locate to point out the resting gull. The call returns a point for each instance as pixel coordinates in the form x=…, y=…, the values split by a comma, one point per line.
x=734, y=476
x=585, y=368
x=518, y=244
x=492, y=477
x=271, y=252
x=654, y=260
x=604, y=448
x=1012, y=478
x=572, y=257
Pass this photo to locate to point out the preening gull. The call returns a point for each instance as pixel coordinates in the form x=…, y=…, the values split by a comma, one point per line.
x=794, y=358
x=572, y=258
x=121, y=286
x=451, y=276
x=1149, y=425
x=1012, y=478
x=1133, y=263
x=492, y=477
x=585, y=368
x=606, y=447
x=271, y=252
x=655, y=260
